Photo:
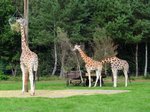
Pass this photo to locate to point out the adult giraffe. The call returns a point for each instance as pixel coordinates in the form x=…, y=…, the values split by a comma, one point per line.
x=28, y=61
x=117, y=64
x=90, y=65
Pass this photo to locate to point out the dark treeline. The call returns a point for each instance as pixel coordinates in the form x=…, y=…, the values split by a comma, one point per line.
x=102, y=27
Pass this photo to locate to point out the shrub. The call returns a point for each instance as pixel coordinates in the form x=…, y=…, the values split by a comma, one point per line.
x=3, y=76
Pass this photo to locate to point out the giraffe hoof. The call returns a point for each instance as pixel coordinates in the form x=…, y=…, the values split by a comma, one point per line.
x=23, y=92
x=32, y=93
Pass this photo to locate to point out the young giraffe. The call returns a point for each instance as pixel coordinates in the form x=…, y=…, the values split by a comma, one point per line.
x=117, y=64
x=28, y=61
x=90, y=65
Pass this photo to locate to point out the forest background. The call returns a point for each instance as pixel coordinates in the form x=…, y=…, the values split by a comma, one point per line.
x=102, y=27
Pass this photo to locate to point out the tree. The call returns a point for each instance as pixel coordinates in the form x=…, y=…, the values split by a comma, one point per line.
x=8, y=39
x=69, y=15
x=128, y=26
x=126, y=22
x=144, y=12
x=64, y=45
x=45, y=25
x=103, y=44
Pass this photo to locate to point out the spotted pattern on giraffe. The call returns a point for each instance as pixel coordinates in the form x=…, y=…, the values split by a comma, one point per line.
x=28, y=61
x=117, y=64
x=90, y=65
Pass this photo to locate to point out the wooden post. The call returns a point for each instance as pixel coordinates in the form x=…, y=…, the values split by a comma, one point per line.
x=26, y=9
x=26, y=82
x=26, y=36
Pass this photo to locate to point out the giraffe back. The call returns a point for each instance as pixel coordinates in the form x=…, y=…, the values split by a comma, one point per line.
x=116, y=63
x=93, y=65
x=119, y=64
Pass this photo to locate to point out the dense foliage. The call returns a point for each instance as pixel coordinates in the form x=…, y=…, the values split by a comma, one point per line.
x=127, y=22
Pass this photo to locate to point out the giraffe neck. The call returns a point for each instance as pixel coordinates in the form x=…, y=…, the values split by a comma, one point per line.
x=84, y=56
x=24, y=45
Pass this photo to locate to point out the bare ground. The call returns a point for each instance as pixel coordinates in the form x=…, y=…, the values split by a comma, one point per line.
x=57, y=93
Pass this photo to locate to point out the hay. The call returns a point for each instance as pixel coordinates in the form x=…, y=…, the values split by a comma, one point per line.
x=57, y=93
x=15, y=27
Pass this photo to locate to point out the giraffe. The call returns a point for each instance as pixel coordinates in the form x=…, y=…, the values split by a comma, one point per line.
x=90, y=65
x=28, y=61
x=117, y=64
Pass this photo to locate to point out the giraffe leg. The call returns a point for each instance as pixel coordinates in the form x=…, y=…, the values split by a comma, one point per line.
x=89, y=76
x=24, y=79
x=32, y=82
x=126, y=78
x=114, y=77
x=100, y=78
x=97, y=77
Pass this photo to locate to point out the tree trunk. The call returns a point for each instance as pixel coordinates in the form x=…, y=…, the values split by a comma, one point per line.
x=55, y=65
x=136, y=59
x=146, y=60
x=26, y=4
x=105, y=53
x=79, y=68
x=62, y=64
x=14, y=71
x=55, y=47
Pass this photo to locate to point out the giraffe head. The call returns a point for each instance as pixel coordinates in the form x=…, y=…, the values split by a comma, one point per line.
x=76, y=47
x=22, y=21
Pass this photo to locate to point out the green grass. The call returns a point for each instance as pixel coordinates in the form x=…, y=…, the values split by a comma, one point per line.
x=137, y=100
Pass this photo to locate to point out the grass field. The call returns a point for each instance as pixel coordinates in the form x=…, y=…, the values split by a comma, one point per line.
x=137, y=100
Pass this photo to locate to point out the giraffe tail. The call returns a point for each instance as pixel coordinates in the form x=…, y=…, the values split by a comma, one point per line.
x=35, y=77
x=129, y=78
x=35, y=71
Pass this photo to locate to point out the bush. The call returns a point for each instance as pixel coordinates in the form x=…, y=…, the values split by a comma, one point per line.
x=3, y=76
x=147, y=77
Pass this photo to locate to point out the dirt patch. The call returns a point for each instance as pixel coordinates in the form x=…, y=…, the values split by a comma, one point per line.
x=57, y=93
